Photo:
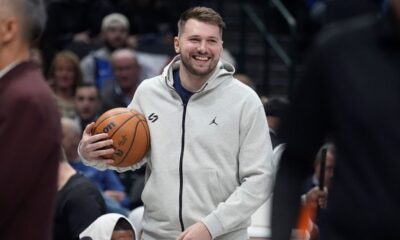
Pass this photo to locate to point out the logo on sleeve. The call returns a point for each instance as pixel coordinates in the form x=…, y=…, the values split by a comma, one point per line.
x=153, y=117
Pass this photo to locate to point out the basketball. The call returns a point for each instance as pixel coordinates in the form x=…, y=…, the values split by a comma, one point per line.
x=130, y=134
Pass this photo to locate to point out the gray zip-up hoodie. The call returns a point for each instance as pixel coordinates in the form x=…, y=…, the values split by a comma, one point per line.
x=210, y=160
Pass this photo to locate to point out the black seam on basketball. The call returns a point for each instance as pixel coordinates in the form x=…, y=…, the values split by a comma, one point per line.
x=116, y=114
x=116, y=130
x=133, y=140
x=122, y=124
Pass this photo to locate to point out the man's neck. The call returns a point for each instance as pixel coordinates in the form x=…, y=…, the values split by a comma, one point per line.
x=129, y=92
x=13, y=53
x=191, y=82
x=65, y=172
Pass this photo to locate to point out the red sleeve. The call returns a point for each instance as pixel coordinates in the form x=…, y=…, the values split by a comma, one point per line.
x=30, y=143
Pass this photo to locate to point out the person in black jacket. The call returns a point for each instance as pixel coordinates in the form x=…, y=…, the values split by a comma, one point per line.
x=79, y=203
x=351, y=91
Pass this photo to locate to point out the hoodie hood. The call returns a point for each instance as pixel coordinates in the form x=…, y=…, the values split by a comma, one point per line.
x=103, y=227
x=223, y=72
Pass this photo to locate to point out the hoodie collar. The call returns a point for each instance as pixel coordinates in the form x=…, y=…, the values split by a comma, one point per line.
x=103, y=227
x=222, y=72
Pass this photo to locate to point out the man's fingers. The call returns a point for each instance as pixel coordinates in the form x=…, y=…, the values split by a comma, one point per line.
x=101, y=145
x=101, y=153
x=96, y=138
x=88, y=128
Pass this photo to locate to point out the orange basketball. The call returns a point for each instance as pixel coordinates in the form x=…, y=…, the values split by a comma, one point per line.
x=130, y=134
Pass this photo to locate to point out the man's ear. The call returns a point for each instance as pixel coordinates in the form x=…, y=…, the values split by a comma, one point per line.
x=176, y=45
x=8, y=30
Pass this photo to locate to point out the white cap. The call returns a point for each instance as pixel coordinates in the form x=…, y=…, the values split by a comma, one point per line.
x=114, y=19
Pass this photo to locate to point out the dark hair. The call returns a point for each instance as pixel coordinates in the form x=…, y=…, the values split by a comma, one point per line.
x=202, y=14
x=88, y=85
x=276, y=107
x=330, y=147
x=123, y=224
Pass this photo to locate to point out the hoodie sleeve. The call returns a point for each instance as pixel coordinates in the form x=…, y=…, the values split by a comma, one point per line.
x=255, y=172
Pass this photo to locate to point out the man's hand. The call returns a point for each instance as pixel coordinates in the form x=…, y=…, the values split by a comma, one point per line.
x=95, y=147
x=116, y=195
x=317, y=197
x=82, y=37
x=197, y=231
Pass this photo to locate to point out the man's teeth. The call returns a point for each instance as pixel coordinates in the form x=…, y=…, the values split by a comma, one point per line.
x=201, y=58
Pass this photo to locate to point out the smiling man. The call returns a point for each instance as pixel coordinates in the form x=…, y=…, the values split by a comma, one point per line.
x=209, y=167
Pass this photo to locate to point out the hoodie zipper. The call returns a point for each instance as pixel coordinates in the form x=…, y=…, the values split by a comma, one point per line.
x=180, y=158
x=181, y=167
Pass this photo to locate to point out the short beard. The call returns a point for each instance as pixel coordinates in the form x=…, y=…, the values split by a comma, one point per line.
x=111, y=48
x=194, y=71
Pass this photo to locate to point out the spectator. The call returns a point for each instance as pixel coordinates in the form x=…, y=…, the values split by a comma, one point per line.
x=126, y=72
x=96, y=65
x=79, y=203
x=312, y=184
x=64, y=77
x=87, y=104
x=313, y=180
x=30, y=134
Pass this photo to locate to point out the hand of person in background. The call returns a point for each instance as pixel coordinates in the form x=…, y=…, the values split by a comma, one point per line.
x=116, y=195
x=316, y=197
x=82, y=37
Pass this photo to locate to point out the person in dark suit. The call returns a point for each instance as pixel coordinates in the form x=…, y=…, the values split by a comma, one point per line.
x=350, y=92
x=30, y=132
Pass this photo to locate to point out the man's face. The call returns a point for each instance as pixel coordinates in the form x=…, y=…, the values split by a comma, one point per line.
x=123, y=235
x=87, y=102
x=200, y=46
x=126, y=72
x=329, y=169
x=64, y=73
x=115, y=36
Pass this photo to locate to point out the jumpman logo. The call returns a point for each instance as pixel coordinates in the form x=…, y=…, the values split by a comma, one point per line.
x=213, y=121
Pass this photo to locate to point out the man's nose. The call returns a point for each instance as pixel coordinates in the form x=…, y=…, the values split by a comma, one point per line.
x=202, y=46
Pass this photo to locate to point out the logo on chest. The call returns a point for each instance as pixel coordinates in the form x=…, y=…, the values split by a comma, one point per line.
x=214, y=121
